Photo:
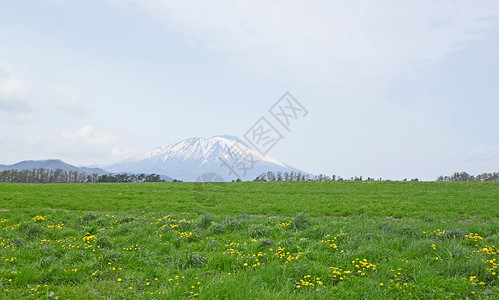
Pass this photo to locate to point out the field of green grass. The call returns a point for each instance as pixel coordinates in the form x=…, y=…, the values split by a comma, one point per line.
x=263, y=240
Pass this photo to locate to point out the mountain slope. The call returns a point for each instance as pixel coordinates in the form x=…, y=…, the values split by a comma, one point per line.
x=50, y=164
x=225, y=156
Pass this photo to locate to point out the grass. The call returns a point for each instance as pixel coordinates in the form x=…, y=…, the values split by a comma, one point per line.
x=301, y=240
x=437, y=200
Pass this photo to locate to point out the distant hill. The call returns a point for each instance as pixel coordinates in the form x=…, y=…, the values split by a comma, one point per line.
x=212, y=158
x=219, y=158
x=51, y=164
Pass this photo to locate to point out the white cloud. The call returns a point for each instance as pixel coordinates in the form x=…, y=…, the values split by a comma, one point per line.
x=89, y=138
x=64, y=96
x=87, y=145
x=66, y=99
x=122, y=151
x=484, y=153
x=325, y=41
x=14, y=92
x=13, y=87
x=23, y=118
x=34, y=138
x=91, y=135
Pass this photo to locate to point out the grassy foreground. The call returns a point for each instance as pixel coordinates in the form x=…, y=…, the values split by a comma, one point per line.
x=434, y=200
x=248, y=240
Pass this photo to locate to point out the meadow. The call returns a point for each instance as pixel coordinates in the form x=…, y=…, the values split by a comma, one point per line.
x=263, y=240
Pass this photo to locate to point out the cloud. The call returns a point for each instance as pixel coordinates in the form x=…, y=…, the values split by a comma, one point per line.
x=23, y=118
x=64, y=98
x=87, y=145
x=122, y=151
x=89, y=138
x=34, y=138
x=325, y=41
x=14, y=93
x=13, y=87
x=484, y=153
x=91, y=135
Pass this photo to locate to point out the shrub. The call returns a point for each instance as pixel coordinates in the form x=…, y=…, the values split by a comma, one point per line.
x=206, y=220
x=104, y=242
x=232, y=223
x=408, y=231
x=264, y=243
x=89, y=217
x=301, y=221
x=189, y=260
x=455, y=233
x=32, y=230
x=218, y=228
x=258, y=231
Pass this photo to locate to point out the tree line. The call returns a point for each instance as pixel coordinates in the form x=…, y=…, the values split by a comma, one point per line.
x=463, y=176
x=62, y=176
x=292, y=176
x=297, y=176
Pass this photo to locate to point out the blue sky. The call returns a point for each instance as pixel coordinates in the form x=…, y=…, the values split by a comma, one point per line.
x=393, y=89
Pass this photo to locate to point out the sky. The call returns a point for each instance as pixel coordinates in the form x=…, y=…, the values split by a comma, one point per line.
x=392, y=89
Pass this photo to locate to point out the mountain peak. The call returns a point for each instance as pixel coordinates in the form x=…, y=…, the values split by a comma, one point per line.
x=227, y=156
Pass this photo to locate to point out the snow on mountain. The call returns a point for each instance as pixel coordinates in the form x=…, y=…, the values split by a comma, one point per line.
x=50, y=164
x=226, y=156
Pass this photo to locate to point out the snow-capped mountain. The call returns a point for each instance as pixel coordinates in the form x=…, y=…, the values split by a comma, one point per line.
x=221, y=157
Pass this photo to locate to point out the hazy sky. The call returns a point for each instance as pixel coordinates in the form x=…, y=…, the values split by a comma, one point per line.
x=393, y=89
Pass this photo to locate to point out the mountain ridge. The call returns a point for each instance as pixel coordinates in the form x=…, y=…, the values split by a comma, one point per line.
x=226, y=156
x=51, y=164
x=221, y=158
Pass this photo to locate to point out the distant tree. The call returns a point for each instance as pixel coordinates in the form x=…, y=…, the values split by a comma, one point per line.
x=286, y=176
x=463, y=176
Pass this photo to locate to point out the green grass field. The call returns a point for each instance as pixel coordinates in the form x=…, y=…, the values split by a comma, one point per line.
x=250, y=240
